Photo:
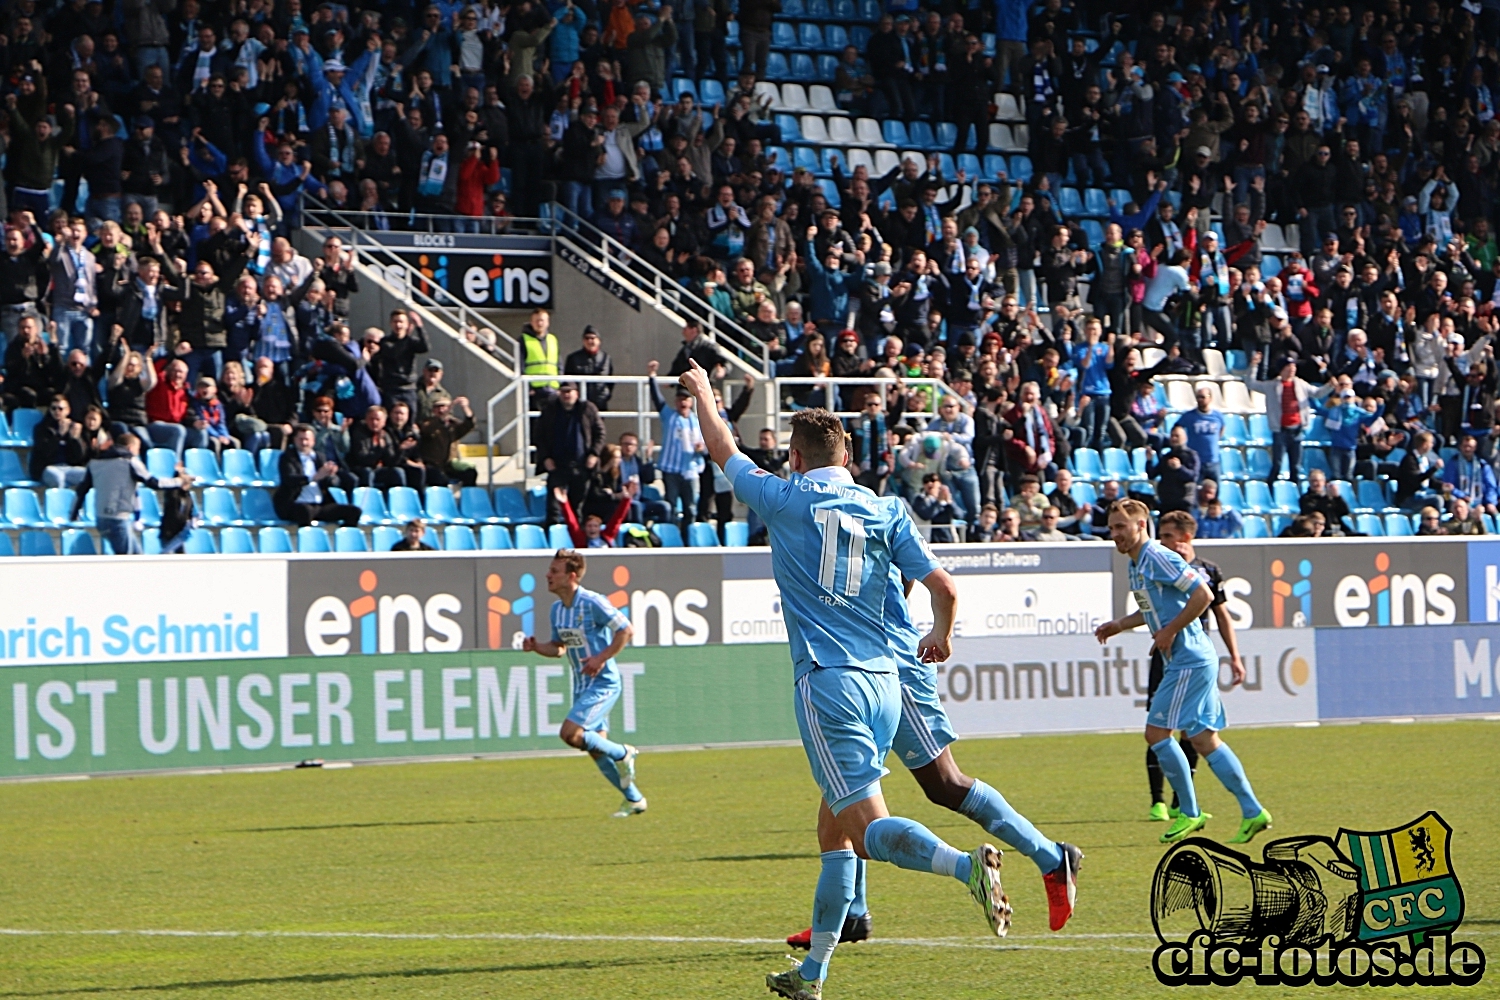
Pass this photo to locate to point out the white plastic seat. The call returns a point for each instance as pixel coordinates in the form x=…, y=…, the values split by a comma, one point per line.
x=1152, y=356
x=859, y=157
x=793, y=98
x=1008, y=109
x=841, y=132
x=1180, y=395
x=820, y=97
x=886, y=160
x=1213, y=360
x=764, y=90
x=1291, y=236
x=1237, y=398
x=813, y=129
x=917, y=157
x=868, y=130
x=1272, y=238
x=1020, y=137
x=1000, y=137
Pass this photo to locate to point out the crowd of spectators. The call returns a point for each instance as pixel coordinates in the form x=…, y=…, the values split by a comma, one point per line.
x=156, y=152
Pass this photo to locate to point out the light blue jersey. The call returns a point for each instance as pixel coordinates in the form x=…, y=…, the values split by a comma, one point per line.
x=833, y=544
x=583, y=628
x=1162, y=583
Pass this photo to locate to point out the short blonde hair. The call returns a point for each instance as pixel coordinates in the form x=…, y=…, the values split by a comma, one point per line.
x=1131, y=508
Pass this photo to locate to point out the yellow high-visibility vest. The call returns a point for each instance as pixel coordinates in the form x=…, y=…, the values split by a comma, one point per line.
x=541, y=357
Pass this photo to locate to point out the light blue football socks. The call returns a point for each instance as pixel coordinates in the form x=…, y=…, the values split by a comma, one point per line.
x=606, y=766
x=1231, y=773
x=859, y=907
x=1174, y=764
x=908, y=844
x=830, y=905
x=989, y=809
x=595, y=743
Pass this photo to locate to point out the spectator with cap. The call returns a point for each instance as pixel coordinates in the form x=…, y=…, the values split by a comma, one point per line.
x=431, y=390
x=146, y=171
x=441, y=433
x=1345, y=419
x=681, y=459
x=1289, y=403
x=592, y=359
x=569, y=439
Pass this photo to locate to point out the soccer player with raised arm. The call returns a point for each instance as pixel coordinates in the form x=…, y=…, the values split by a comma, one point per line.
x=922, y=744
x=833, y=545
x=1171, y=596
x=590, y=632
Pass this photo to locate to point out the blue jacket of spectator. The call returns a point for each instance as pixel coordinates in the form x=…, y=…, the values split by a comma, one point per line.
x=285, y=177
x=1344, y=421
x=1228, y=524
x=1203, y=431
x=830, y=290
x=437, y=54
x=1473, y=479
x=354, y=94
x=1010, y=20
x=564, y=40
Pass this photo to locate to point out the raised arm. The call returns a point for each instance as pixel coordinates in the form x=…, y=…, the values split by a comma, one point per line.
x=937, y=645
x=717, y=436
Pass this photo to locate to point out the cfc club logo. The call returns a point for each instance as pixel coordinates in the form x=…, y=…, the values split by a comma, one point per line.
x=1359, y=909
x=373, y=621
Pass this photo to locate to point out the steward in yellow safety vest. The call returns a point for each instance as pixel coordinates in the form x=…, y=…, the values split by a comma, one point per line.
x=540, y=355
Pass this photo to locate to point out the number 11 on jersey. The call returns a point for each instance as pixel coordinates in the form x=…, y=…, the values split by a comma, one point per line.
x=836, y=526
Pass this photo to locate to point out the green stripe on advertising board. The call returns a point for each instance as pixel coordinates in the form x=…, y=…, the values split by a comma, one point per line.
x=100, y=718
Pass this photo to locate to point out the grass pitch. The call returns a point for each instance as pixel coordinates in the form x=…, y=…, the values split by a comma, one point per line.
x=457, y=866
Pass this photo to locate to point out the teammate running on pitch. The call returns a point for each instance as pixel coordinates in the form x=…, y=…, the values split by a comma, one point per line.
x=922, y=744
x=1171, y=596
x=1176, y=529
x=590, y=632
x=833, y=544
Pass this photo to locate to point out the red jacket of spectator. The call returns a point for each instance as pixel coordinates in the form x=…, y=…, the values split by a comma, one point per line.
x=475, y=174
x=164, y=403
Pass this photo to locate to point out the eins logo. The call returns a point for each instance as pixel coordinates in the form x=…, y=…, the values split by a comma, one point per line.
x=675, y=616
x=429, y=626
x=1357, y=909
x=1390, y=598
x=1296, y=597
x=492, y=284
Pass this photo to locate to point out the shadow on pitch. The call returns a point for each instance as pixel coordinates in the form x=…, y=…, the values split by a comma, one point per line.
x=758, y=857
x=319, y=978
x=393, y=823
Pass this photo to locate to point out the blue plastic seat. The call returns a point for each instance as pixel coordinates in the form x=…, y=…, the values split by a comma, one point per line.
x=530, y=536
x=921, y=135
x=346, y=539
x=777, y=67
x=1232, y=464
x=1084, y=493
x=1258, y=498
x=1288, y=500
x=474, y=502
x=270, y=467
x=793, y=9
x=276, y=540
x=835, y=37
x=58, y=504
x=459, y=538
x=383, y=537
x=1095, y=203
x=23, y=425
x=372, y=504
x=946, y=135
x=682, y=85
x=737, y=534
x=807, y=158
x=21, y=509
x=1369, y=524
x=1316, y=433
x=1093, y=231
x=810, y=37
x=200, y=542
x=1069, y=202
x=1020, y=168
x=1370, y=497
x=791, y=132
x=219, y=508
x=702, y=535
x=783, y=35
x=510, y=505
x=830, y=192
x=558, y=537
x=671, y=537
x=1087, y=465
x=895, y=133
x=1234, y=430
x=869, y=10
x=1315, y=458
x=1117, y=464
x=406, y=504
x=970, y=165
x=1398, y=524
x=77, y=542
x=1255, y=527
x=946, y=166
x=1231, y=495
x=256, y=508
x=150, y=506
x=625, y=529
x=6, y=548
x=161, y=462
x=1258, y=463
x=711, y=91
x=37, y=543
x=1258, y=430
x=1270, y=265
x=442, y=508
x=1279, y=523
x=7, y=439
x=828, y=67
x=203, y=465
x=994, y=166
x=818, y=10
x=237, y=541
x=312, y=539
x=150, y=542
x=803, y=70
x=844, y=10
x=239, y=467
x=494, y=537
x=859, y=37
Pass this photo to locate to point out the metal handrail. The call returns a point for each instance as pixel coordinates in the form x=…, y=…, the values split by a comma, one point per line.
x=507, y=349
x=722, y=330
x=938, y=389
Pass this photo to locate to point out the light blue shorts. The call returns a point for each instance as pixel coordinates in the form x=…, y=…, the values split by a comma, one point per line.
x=924, y=730
x=1188, y=699
x=592, y=704
x=848, y=719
